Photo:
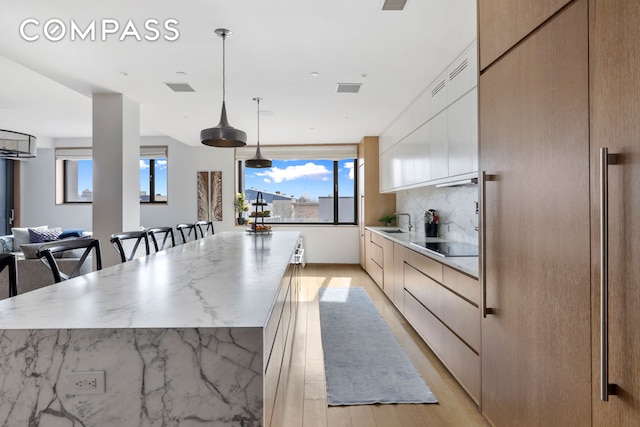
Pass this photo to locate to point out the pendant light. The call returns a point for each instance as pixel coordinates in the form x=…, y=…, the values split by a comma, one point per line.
x=258, y=161
x=223, y=135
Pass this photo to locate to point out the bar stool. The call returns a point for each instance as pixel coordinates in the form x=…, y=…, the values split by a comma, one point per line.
x=190, y=229
x=204, y=227
x=139, y=236
x=9, y=260
x=165, y=233
x=48, y=250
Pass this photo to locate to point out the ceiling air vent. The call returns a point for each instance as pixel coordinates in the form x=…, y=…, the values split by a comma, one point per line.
x=180, y=87
x=458, y=69
x=393, y=4
x=437, y=89
x=348, y=87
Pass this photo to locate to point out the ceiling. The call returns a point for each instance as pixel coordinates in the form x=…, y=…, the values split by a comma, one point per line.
x=46, y=86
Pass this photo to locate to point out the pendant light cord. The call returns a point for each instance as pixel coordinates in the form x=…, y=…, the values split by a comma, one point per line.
x=258, y=101
x=224, y=67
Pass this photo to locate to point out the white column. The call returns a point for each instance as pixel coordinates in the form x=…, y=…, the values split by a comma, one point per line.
x=116, y=169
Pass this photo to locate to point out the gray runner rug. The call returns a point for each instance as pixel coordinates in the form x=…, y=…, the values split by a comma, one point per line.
x=363, y=362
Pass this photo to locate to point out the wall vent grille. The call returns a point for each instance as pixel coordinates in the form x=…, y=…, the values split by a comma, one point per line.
x=437, y=89
x=180, y=87
x=348, y=87
x=458, y=69
x=393, y=4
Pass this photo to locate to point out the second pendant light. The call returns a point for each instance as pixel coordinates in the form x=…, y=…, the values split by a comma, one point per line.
x=258, y=161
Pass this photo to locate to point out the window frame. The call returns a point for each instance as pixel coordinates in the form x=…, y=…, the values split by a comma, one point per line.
x=241, y=183
x=150, y=153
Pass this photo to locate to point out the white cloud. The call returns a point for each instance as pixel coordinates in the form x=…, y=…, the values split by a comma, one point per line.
x=309, y=170
x=267, y=180
x=349, y=166
x=143, y=165
x=161, y=162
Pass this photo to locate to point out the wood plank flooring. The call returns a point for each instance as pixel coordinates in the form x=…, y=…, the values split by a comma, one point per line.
x=305, y=402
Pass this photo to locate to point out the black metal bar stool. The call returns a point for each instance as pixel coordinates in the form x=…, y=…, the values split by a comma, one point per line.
x=47, y=254
x=139, y=236
x=204, y=228
x=164, y=233
x=9, y=260
x=189, y=229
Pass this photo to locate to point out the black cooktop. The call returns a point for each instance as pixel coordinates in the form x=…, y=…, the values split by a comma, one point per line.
x=446, y=249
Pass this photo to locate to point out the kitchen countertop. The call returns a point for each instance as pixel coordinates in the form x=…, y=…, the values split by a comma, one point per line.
x=468, y=265
x=229, y=279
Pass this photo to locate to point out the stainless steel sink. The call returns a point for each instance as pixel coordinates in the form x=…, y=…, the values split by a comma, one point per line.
x=394, y=231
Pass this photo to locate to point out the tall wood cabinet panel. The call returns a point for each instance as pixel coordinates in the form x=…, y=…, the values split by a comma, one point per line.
x=534, y=141
x=372, y=204
x=502, y=23
x=615, y=123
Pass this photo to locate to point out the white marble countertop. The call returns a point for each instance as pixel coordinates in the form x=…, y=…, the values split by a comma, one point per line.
x=468, y=265
x=226, y=280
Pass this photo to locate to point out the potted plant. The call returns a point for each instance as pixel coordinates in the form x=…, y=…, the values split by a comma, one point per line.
x=387, y=219
x=240, y=205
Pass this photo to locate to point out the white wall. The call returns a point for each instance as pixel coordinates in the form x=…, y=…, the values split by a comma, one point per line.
x=323, y=244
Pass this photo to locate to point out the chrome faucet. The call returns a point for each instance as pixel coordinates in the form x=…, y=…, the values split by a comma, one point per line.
x=408, y=215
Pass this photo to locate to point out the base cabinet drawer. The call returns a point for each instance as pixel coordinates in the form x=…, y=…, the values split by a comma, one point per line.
x=460, y=359
x=429, y=328
x=375, y=271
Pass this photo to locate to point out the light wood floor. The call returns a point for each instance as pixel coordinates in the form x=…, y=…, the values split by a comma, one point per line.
x=306, y=403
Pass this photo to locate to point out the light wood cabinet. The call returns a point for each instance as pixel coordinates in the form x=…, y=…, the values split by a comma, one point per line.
x=615, y=111
x=448, y=321
x=503, y=23
x=379, y=263
x=534, y=142
x=372, y=204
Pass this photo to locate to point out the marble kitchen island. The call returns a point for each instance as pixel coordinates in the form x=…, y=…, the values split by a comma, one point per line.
x=194, y=335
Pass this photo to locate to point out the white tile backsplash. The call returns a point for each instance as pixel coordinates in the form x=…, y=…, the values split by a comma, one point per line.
x=456, y=207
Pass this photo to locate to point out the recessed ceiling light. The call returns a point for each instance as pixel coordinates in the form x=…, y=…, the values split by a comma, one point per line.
x=122, y=73
x=181, y=73
x=314, y=74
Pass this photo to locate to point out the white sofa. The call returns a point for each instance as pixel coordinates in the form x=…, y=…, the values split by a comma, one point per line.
x=32, y=273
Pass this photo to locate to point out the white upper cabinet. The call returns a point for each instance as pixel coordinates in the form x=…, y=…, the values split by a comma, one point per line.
x=463, y=74
x=436, y=137
x=463, y=134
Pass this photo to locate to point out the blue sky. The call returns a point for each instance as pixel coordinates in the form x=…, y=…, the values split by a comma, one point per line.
x=85, y=179
x=310, y=178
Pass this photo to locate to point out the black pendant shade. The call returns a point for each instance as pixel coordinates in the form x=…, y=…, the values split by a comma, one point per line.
x=258, y=161
x=223, y=135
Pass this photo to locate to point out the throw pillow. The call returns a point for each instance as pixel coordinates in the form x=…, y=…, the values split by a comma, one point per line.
x=6, y=244
x=71, y=232
x=21, y=235
x=29, y=250
x=41, y=236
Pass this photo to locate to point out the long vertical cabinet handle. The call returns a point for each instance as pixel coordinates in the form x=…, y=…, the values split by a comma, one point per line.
x=361, y=215
x=606, y=389
x=483, y=255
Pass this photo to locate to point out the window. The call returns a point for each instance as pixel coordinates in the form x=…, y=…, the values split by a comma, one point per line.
x=75, y=175
x=306, y=184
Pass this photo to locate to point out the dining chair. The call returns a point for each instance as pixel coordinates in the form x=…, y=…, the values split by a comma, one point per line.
x=204, y=228
x=117, y=240
x=9, y=260
x=164, y=233
x=189, y=229
x=48, y=252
